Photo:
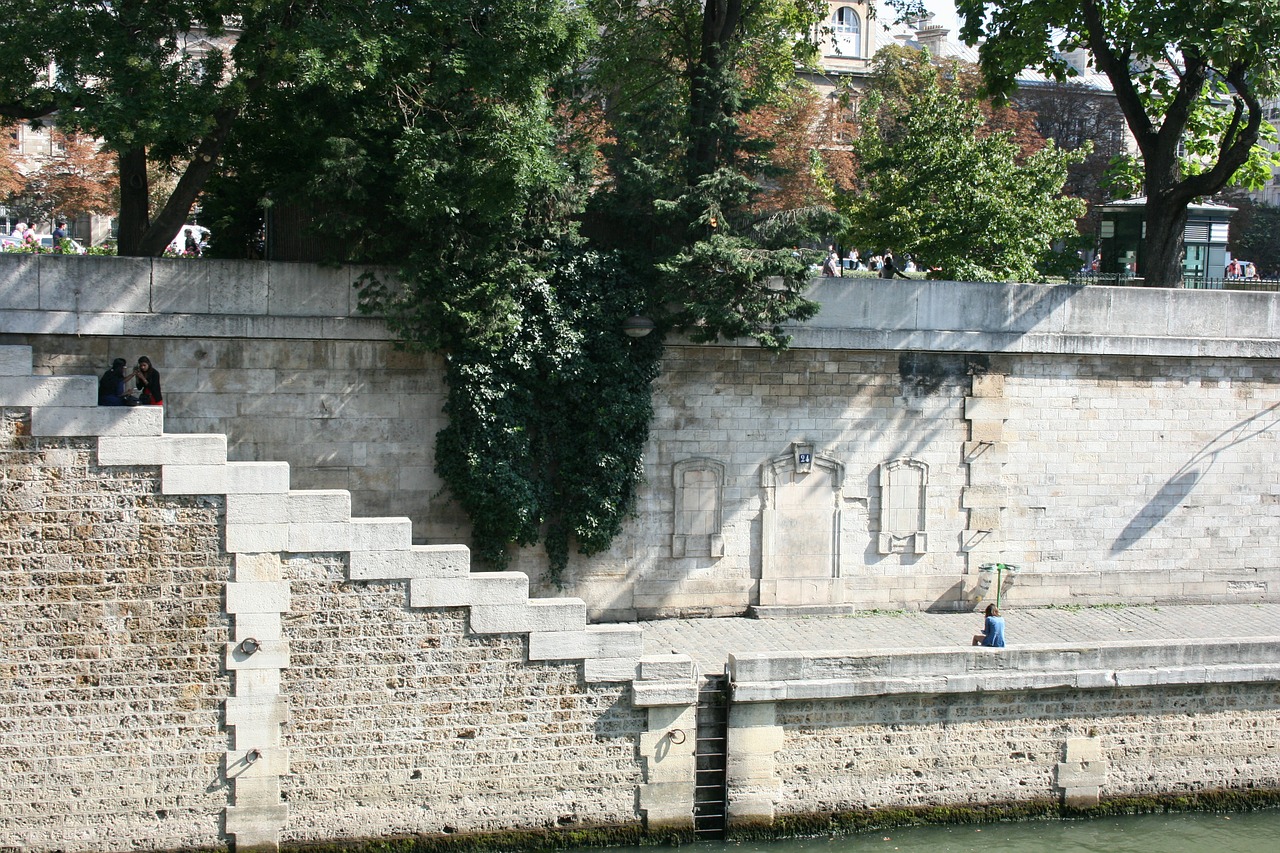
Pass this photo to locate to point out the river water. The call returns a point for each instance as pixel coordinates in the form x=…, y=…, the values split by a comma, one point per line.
x=1245, y=832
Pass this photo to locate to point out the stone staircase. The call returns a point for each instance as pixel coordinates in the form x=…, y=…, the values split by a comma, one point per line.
x=265, y=519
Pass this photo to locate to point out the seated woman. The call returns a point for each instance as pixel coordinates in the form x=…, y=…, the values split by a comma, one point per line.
x=992, y=629
x=147, y=380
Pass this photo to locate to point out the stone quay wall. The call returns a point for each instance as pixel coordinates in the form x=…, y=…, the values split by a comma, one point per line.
x=277, y=357
x=197, y=656
x=826, y=733
x=1112, y=444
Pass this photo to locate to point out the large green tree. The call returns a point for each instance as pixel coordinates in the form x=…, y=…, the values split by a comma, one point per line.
x=936, y=181
x=125, y=72
x=676, y=80
x=163, y=83
x=1171, y=64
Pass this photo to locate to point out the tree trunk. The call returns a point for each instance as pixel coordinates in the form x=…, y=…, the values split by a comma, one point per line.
x=176, y=210
x=1166, y=223
x=708, y=109
x=134, y=203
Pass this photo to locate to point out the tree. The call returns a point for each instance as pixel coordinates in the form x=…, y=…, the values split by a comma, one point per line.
x=1171, y=66
x=164, y=83
x=965, y=201
x=78, y=179
x=679, y=79
x=11, y=177
x=1077, y=117
x=125, y=73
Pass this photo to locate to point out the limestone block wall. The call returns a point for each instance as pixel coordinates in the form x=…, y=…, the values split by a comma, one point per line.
x=196, y=653
x=275, y=356
x=1113, y=444
x=824, y=733
x=1102, y=479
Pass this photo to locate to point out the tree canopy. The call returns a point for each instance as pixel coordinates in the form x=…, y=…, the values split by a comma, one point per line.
x=535, y=172
x=127, y=73
x=1172, y=65
x=943, y=181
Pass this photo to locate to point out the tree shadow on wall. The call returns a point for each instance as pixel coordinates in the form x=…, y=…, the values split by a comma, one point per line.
x=1176, y=490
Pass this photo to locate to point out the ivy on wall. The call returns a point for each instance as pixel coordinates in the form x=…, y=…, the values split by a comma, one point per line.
x=547, y=430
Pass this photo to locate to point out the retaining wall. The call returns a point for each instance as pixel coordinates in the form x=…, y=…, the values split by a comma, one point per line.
x=196, y=655
x=194, y=651
x=817, y=733
x=1113, y=443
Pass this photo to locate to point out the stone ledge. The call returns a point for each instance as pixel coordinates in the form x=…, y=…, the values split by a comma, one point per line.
x=768, y=677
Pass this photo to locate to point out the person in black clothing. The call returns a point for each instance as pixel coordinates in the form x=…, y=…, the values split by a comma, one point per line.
x=111, y=387
x=890, y=269
x=147, y=380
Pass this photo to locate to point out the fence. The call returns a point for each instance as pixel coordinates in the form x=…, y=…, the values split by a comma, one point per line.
x=1122, y=280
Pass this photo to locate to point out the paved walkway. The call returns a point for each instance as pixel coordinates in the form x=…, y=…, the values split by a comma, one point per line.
x=709, y=641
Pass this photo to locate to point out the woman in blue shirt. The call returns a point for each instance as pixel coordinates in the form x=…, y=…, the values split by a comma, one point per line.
x=992, y=629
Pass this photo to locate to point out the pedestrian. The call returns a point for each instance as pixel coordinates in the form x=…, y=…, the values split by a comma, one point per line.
x=889, y=270
x=147, y=380
x=111, y=387
x=992, y=629
x=59, y=234
x=829, y=265
x=18, y=230
x=191, y=247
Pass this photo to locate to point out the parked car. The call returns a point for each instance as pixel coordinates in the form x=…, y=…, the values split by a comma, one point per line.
x=7, y=242
x=72, y=248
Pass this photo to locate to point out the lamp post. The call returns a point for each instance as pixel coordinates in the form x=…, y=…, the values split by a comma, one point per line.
x=999, y=569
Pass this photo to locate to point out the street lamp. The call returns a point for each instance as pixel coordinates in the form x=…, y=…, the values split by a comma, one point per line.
x=999, y=569
x=637, y=326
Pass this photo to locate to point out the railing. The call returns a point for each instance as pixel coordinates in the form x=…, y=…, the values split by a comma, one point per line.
x=1260, y=284
x=1122, y=280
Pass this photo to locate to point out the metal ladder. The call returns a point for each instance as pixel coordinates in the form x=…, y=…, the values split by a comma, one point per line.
x=711, y=780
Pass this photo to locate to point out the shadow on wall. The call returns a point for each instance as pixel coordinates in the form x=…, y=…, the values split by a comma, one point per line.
x=1175, y=491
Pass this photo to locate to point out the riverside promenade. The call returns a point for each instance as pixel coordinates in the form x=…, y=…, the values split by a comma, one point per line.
x=710, y=641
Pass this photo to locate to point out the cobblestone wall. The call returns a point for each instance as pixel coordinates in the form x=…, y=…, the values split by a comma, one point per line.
x=436, y=730
x=111, y=633
x=975, y=748
x=115, y=644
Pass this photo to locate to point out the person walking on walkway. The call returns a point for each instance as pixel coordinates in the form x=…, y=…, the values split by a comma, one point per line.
x=992, y=629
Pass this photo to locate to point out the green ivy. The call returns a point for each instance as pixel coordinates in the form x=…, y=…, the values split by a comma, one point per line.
x=547, y=430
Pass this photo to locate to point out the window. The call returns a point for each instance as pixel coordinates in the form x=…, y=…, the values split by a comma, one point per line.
x=846, y=29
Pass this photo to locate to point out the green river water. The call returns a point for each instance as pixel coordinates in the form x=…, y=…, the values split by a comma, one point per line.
x=1251, y=832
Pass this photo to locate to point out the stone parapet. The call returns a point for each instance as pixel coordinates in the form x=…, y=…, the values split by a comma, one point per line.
x=161, y=297
x=991, y=317
x=775, y=677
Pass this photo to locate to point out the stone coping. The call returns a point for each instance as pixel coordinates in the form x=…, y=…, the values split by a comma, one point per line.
x=175, y=297
x=772, y=677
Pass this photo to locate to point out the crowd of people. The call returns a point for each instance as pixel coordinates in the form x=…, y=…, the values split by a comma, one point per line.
x=884, y=264
x=114, y=390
